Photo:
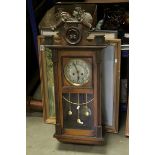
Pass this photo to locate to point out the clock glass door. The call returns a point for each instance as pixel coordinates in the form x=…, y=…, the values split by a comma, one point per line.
x=77, y=93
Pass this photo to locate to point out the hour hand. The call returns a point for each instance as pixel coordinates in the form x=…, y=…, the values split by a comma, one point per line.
x=78, y=77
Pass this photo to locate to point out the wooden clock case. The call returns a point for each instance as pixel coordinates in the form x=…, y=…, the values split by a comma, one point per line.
x=84, y=48
x=94, y=134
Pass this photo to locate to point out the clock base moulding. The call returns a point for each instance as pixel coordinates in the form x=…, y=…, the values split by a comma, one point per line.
x=79, y=139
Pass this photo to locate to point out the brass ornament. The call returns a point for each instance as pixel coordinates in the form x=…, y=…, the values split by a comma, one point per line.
x=87, y=113
x=87, y=110
x=80, y=107
x=70, y=112
x=79, y=121
x=75, y=103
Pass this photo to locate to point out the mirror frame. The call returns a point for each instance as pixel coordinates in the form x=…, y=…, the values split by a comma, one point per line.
x=116, y=86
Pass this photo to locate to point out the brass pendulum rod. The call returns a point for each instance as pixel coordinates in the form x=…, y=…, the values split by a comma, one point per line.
x=87, y=112
x=78, y=107
x=70, y=111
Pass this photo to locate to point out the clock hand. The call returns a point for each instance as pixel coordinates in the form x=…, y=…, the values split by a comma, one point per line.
x=75, y=67
x=76, y=71
x=78, y=77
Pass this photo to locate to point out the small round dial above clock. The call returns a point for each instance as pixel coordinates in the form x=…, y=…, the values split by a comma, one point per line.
x=73, y=35
x=77, y=72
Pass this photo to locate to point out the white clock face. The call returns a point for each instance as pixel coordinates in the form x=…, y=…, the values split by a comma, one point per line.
x=77, y=72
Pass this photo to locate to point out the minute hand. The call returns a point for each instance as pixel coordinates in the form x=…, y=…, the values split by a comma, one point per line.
x=76, y=71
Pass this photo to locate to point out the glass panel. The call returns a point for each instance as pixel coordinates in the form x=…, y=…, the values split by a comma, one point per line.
x=78, y=111
x=108, y=84
x=50, y=82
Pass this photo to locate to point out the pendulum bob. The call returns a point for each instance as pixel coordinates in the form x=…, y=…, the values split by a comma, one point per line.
x=79, y=121
x=86, y=111
x=70, y=112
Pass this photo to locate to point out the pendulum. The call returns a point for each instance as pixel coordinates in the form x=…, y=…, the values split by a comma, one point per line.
x=87, y=113
x=87, y=110
x=78, y=107
x=70, y=111
x=79, y=121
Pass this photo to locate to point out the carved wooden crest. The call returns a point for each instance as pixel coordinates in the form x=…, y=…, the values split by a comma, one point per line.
x=72, y=26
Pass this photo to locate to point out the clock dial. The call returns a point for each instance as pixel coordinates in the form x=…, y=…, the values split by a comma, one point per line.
x=77, y=72
x=73, y=35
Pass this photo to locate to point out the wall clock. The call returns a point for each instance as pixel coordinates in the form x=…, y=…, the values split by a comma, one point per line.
x=77, y=77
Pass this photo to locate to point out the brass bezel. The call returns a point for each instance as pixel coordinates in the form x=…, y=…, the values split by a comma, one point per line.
x=73, y=83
